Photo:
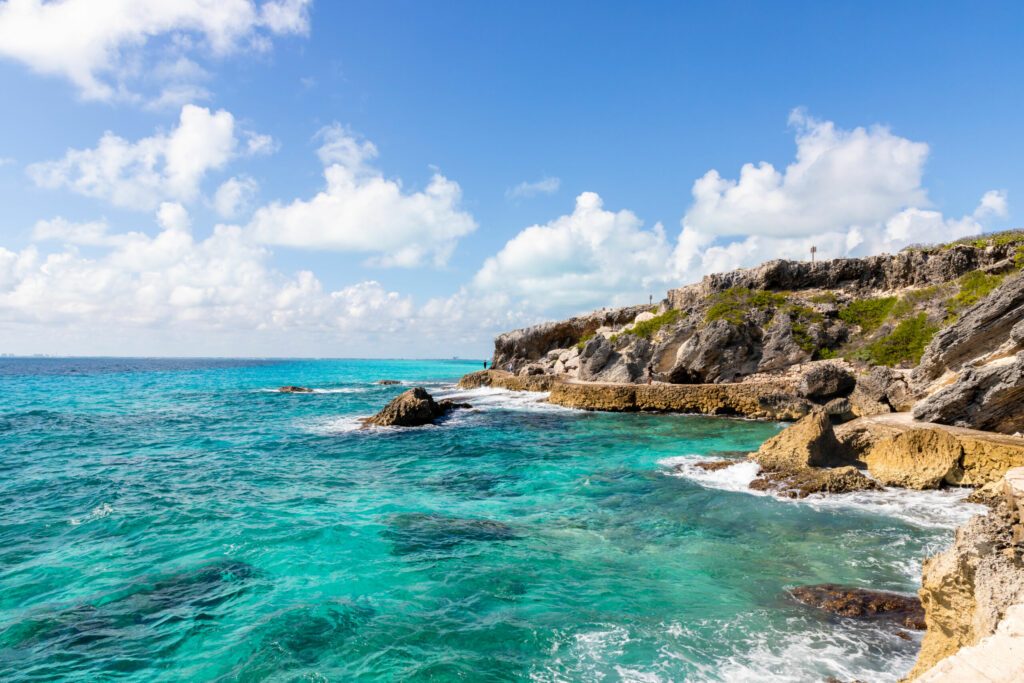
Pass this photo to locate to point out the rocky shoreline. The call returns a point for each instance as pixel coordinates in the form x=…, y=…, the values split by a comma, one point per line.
x=901, y=370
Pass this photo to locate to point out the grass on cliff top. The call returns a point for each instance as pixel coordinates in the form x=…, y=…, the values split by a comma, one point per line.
x=648, y=328
x=974, y=286
x=994, y=239
x=905, y=344
x=733, y=304
x=868, y=314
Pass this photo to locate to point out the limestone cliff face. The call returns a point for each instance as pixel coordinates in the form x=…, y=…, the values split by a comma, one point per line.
x=972, y=373
x=967, y=590
x=731, y=326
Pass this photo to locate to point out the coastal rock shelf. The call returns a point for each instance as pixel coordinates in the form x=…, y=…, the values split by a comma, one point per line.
x=763, y=400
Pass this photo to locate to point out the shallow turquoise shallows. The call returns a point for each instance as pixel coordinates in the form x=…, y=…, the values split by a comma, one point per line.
x=181, y=521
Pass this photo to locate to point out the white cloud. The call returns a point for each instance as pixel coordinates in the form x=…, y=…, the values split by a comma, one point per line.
x=848, y=193
x=234, y=196
x=839, y=178
x=100, y=46
x=362, y=211
x=7, y=161
x=62, y=230
x=164, y=166
x=524, y=190
x=589, y=258
x=174, y=281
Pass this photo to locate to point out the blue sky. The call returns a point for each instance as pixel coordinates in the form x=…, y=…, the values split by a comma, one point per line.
x=610, y=117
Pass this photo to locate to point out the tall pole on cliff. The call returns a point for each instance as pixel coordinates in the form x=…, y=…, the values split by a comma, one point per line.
x=814, y=250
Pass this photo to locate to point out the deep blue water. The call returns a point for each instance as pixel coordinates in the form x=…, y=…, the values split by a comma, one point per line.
x=180, y=520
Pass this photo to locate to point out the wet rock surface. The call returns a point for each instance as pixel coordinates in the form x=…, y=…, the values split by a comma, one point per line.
x=860, y=603
x=412, y=408
x=290, y=389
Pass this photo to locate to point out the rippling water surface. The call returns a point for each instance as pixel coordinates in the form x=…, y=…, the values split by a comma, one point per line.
x=179, y=520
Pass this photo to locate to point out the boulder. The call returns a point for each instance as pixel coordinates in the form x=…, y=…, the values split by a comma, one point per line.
x=412, y=408
x=860, y=603
x=886, y=386
x=989, y=397
x=295, y=390
x=839, y=410
x=916, y=459
x=810, y=442
x=825, y=380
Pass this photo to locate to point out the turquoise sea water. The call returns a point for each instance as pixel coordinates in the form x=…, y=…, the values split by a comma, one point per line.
x=178, y=520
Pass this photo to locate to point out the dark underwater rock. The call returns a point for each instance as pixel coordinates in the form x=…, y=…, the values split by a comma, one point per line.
x=861, y=603
x=387, y=382
x=290, y=389
x=419, y=531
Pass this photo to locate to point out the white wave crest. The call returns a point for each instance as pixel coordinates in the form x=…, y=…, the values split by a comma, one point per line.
x=937, y=509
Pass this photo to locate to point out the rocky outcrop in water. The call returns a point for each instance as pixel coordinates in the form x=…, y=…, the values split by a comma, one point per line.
x=806, y=458
x=412, y=408
x=967, y=590
x=295, y=390
x=861, y=603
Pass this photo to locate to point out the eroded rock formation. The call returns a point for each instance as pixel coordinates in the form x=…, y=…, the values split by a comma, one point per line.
x=412, y=408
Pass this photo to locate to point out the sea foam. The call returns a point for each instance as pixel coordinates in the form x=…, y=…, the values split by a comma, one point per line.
x=937, y=509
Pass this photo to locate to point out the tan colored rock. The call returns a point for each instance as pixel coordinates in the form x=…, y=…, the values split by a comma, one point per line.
x=800, y=483
x=916, y=459
x=967, y=589
x=746, y=400
x=810, y=442
x=500, y=379
x=988, y=457
x=998, y=658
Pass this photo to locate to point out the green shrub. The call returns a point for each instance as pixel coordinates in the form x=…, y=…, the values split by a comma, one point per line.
x=868, y=314
x=1018, y=258
x=648, y=328
x=905, y=344
x=583, y=340
x=734, y=303
x=823, y=298
x=909, y=302
x=974, y=286
x=826, y=353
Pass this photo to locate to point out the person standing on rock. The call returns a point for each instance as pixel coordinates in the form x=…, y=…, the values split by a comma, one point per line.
x=650, y=372
x=485, y=365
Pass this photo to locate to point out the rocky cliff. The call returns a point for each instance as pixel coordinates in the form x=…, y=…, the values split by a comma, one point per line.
x=967, y=591
x=960, y=306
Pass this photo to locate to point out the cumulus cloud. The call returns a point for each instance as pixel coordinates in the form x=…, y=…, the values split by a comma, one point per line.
x=234, y=196
x=165, y=166
x=172, y=280
x=839, y=178
x=100, y=47
x=362, y=211
x=525, y=190
x=591, y=257
x=848, y=193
